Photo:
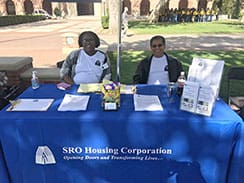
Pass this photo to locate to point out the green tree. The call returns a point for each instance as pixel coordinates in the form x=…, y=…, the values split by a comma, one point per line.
x=230, y=7
x=227, y=7
x=218, y=4
x=237, y=9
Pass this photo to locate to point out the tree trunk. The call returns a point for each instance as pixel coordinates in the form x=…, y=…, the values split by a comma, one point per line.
x=154, y=15
x=113, y=15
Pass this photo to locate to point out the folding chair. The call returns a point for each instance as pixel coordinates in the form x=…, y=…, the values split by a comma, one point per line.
x=59, y=64
x=236, y=102
x=3, y=102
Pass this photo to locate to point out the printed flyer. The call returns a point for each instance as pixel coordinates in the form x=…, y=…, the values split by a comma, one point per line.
x=202, y=86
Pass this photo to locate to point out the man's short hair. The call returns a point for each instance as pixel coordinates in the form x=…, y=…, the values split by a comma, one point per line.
x=156, y=38
x=94, y=35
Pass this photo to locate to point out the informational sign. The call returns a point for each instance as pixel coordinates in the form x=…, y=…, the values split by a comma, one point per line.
x=206, y=72
x=202, y=86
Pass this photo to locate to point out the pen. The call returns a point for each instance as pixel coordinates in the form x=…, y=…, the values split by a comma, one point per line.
x=13, y=104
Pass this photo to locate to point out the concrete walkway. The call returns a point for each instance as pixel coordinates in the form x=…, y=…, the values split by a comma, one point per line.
x=44, y=42
x=182, y=42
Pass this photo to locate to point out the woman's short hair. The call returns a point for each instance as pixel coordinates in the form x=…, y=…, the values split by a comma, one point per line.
x=94, y=35
x=156, y=38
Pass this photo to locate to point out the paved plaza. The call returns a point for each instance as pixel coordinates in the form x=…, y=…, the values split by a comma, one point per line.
x=44, y=40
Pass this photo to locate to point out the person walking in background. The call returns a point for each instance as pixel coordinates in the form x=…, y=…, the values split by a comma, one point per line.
x=125, y=22
x=87, y=64
x=159, y=68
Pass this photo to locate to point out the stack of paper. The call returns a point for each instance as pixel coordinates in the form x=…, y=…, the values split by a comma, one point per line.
x=147, y=103
x=74, y=103
x=30, y=105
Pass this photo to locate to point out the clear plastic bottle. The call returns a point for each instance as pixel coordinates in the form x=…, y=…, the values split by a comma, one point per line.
x=181, y=82
x=34, y=80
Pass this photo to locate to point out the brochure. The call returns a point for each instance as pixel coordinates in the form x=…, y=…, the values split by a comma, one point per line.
x=189, y=96
x=202, y=86
x=205, y=101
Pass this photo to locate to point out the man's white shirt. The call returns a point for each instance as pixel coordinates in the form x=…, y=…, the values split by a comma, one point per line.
x=158, y=73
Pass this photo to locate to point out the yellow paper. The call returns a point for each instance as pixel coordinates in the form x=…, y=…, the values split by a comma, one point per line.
x=89, y=88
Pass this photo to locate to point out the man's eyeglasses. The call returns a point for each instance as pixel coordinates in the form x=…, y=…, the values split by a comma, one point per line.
x=157, y=45
x=88, y=40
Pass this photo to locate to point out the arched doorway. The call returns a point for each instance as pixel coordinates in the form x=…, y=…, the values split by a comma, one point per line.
x=144, y=7
x=10, y=7
x=85, y=9
x=28, y=6
x=183, y=4
x=202, y=4
x=47, y=6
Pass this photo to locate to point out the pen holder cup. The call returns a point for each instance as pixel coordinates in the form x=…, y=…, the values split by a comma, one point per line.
x=172, y=92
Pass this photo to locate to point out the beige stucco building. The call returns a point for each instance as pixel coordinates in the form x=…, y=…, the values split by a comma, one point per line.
x=84, y=7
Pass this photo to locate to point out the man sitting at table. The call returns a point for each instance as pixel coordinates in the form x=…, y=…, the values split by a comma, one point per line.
x=87, y=65
x=159, y=68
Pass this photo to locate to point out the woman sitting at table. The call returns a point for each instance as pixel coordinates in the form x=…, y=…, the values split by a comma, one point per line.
x=87, y=65
x=159, y=68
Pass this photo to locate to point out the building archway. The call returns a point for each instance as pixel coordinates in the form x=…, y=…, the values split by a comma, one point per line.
x=47, y=6
x=202, y=4
x=183, y=4
x=144, y=7
x=28, y=6
x=10, y=7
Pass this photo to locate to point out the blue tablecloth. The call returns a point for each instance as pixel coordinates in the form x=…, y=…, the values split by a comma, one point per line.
x=124, y=146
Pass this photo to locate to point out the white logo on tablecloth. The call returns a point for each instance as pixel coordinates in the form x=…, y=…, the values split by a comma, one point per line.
x=44, y=156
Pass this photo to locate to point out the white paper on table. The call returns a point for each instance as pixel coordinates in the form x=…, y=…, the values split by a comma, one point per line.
x=74, y=103
x=147, y=103
x=189, y=96
x=30, y=105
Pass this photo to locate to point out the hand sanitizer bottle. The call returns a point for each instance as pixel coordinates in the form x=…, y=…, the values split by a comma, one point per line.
x=34, y=80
